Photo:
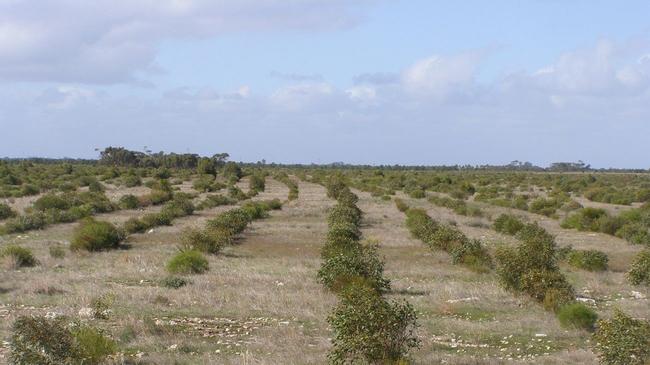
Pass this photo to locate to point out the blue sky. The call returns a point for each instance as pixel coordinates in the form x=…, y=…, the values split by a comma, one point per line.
x=367, y=81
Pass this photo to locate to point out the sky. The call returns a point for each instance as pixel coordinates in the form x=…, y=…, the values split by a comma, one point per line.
x=320, y=81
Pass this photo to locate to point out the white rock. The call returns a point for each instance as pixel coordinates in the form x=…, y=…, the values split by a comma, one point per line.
x=540, y=335
x=150, y=231
x=86, y=312
x=637, y=295
x=586, y=300
x=469, y=299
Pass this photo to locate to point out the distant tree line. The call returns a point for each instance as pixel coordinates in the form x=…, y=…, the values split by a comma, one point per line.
x=119, y=156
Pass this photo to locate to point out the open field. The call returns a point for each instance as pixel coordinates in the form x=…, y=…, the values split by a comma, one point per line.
x=261, y=302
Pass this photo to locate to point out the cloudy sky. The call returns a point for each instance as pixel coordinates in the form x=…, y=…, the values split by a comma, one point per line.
x=359, y=81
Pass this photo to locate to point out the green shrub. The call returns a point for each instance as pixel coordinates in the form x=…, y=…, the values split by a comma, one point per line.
x=25, y=222
x=216, y=200
x=204, y=240
x=131, y=181
x=129, y=201
x=150, y=220
x=93, y=346
x=38, y=340
x=92, y=235
x=537, y=283
x=590, y=260
x=256, y=182
x=417, y=193
x=636, y=233
x=585, y=219
x=577, y=315
x=233, y=221
x=51, y=201
x=340, y=269
x=57, y=252
x=401, y=205
x=178, y=207
x=174, y=282
x=639, y=273
x=472, y=254
x=21, y=256
x=508, y=224
x=6, y=211
x=367, y=328
x=96, y=187
x=134, y=225
x=420, y=224
x=188, y=262
x=622, y=340
x=44, y=341
x=343, y=213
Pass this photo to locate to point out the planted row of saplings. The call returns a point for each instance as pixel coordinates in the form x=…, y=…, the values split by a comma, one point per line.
x=292, y=185
x=632, y=225
x=219, y=232
x=531, y=268
x=367, y=327
x=590, y=260
x=73, y=206
x=463, y=250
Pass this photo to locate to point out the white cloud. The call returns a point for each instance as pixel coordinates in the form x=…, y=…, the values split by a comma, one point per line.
x=441, y=77
x=107, y=41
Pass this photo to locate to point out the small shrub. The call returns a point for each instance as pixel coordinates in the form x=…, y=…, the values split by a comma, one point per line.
x=6, y=211
x=21, y=257
x=369, y=328
x=134, y=225
x=537, y=283
x=257, y=182
x=590, y=260
x=622, y=340
x=25, y=222
x=639, y=273
x=129, y=201
x=94, y=235
x=188, y=262
x=364, y=263
x=577, y=315
x=102, y=306
x=156, y=219
x=473, y=255
x=508, y=224
x=51, y=201
x=203, y=240
x=401, y=205
x=96, y=187
x=44, y=341
x=174, y=282
x=57, y=252
x=233, y=221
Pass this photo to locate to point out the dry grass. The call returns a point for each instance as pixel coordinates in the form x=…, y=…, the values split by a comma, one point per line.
x=260, y=302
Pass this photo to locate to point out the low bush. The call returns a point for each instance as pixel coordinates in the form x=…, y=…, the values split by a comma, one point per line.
x=537, y=283
x=233, y=221
x=129, y=201
x=40, y=340
x=508, y=224
x=590, y=260
x=420, y=224
x=20, y=256
x=473, y=255
x=622, y=340
x=57, y=252
x=639, y=273
x=367, y=328
x=25, y=222
x=6, y=211
x=151, y=220
x=188, y=262
x=577, y=315
x=174, y=282
x=204, y=240
x=401, y=205
x=215, y=200
x=257, y=182
x=363, y=263
x=51, y=201
x=237, y=194
x=585, y=219
x=92, y=235
x=134, y=225
x=178, y=207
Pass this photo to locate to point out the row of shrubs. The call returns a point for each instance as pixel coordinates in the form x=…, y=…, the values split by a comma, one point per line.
x=367, y=327
x=590, y=260
x=531, y=268
x=218, y=232
x=70, y=207
x=633, y=225
x=457, y=205
x=293, y=187
x=463, y=250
